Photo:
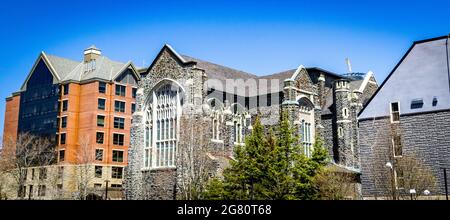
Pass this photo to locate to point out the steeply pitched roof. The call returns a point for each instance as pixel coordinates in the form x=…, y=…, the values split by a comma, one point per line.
x=422, y=73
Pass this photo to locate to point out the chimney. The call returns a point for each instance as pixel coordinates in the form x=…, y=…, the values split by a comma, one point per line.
x=91, y=53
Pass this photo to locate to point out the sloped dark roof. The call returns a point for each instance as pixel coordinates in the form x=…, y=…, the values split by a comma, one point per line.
x=216, y=71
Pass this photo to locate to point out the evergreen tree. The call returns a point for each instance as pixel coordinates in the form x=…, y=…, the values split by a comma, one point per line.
x=270, y=166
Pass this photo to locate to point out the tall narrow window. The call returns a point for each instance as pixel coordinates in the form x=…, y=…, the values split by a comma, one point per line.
x=41, y=190
x=99, y=154
x=66, y=89
x=399, y=178
x=306, y=138
x=133, y=108
x=100, y=137
x=238, y=131
x=397, y=145
x=100, y=120
x=62, y=154
x=133, y=92
x=65, y=105
x=395, y=112
x=345, y=113
x=62, y=137
x=101, y=104
x=98, y=171
x=64, y=122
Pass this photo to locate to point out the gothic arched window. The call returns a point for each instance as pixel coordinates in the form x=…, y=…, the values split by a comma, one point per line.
x=163, y=113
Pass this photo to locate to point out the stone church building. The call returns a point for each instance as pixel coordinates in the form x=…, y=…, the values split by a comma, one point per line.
x=176, y=88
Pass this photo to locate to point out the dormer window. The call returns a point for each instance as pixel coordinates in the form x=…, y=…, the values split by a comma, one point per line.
x=395, y=112
x=90, y=66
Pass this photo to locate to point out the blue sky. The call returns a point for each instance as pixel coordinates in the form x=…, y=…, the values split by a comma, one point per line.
x=259, y=37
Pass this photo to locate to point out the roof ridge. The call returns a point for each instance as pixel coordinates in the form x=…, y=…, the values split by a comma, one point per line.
x=215, y=64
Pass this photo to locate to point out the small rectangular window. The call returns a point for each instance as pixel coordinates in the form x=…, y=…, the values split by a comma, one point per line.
x=41, y=190
x=60, y=172
x=118, y=139
x=133, y=108
x=399, y=177
x=121, y=90
x=134, y=92
x=269, y=99
x=100, y=137
x=62, y=137
x=62, y=154
x=435, y=101
x=65, y=105
x=117, y=172
x=395, y=112
x=119, y=123
x=116, y=185
x=99, y=154
x=119, y=106
x=117, y=156
x=66, y=89
x=42, y=173
x=98, y=171
x=416, y=103
x=100, y=120
x=101, y=104
x=102, y=87
x=63, y=122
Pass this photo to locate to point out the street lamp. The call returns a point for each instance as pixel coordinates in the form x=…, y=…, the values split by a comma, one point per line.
x=412, y=192
x=391, y=167
x=106, y=189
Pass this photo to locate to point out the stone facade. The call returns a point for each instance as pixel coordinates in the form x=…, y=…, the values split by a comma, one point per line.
x=424, y=136
x=308, y=96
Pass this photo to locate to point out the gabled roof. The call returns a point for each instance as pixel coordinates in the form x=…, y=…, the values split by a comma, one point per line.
x=42, y=56
x=422, y=73
x=67, y=70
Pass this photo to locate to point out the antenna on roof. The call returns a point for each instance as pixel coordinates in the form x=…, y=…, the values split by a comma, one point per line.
x=349, y=65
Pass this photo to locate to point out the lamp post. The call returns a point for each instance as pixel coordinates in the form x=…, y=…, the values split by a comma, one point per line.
x=412, y=192
x=391, y=167
x=426, y=193
x=106, y=189
x=445, y=183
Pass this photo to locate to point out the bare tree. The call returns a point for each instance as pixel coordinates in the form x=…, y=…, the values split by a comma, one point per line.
x=25, y=152
x=393, y=176
x=194, y=161
x=85, y=172
x=336, y=185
